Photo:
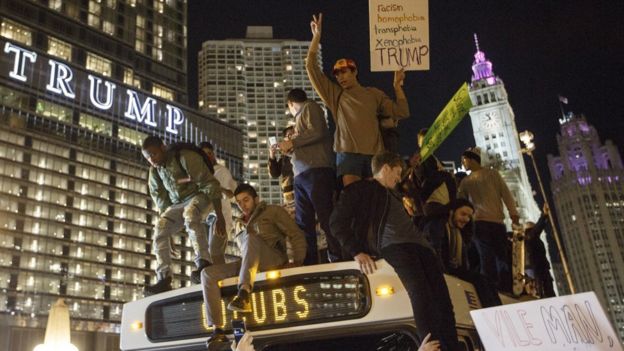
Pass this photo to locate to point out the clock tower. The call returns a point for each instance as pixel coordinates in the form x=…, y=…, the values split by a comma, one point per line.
x=494, y=128
x=495, y=133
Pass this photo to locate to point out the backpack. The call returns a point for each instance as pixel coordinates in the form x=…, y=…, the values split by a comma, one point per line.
x=179, y=146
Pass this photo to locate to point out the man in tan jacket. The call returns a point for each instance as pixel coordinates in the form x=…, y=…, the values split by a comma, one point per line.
x=356, y=110
x=261, y=235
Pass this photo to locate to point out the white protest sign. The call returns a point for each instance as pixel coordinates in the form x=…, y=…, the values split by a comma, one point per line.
x=399, y=35
x=573, y=322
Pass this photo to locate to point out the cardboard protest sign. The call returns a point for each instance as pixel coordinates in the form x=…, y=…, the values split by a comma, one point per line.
x=399, y=35
x=446, y=121
x=574, y=322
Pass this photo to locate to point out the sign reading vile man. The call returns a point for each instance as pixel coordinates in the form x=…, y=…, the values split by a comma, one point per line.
x=565, y=323
x=399, y=35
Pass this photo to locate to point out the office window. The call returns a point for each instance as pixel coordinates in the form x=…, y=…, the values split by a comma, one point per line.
x=131, y=79
x=9, y=97
x=96, y=125
x=108, y=28
x=99, y=64
x=131, y=136
x=162, y=92
x=59, y=48
x=95, y=12
x=50, y=148
x=56, y=5
x=55, y=111
x=16, y=31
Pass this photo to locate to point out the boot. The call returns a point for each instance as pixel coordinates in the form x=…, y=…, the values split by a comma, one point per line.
x=240, y=302
x=161, y=285
x=196, y=273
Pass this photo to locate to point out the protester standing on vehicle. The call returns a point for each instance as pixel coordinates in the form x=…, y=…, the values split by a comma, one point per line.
x=184, y=191
x=487, y=191
x=218, y=243
x=536, y=262
x=370, y=223
x=356, y=110
x=313, y=165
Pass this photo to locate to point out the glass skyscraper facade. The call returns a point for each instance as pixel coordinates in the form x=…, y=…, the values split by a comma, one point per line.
x=82, y=83
x=245, y=82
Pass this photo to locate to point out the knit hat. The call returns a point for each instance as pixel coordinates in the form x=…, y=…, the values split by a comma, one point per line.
x=473, y=153
x=344, y=63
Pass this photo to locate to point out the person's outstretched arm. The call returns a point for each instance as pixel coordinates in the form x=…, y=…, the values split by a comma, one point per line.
x=324, y=87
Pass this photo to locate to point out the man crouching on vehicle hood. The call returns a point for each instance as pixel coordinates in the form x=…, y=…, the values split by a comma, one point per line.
x=371, y=223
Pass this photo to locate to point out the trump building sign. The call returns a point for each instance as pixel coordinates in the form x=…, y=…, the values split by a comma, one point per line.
x=55, y=77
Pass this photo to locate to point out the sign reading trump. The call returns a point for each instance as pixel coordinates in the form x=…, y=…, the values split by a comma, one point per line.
x=399, y=35
x=573, y=322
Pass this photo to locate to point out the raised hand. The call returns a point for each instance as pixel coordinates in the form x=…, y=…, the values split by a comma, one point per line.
x=399, y=77
x=316, y=25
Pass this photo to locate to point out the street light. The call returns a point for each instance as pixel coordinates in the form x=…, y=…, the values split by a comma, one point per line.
x=527, y=139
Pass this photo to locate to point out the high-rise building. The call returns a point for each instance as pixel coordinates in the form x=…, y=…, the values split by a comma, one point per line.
x=82, y=83
x=495, y=132
x=245, y=82
x=588, y=192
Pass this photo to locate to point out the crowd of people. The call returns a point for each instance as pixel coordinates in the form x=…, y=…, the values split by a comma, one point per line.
x=369, y=202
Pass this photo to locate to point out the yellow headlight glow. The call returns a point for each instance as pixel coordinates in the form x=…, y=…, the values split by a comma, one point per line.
x=384, y=290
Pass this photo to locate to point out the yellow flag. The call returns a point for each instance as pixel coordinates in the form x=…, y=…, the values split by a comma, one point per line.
x=446, y=121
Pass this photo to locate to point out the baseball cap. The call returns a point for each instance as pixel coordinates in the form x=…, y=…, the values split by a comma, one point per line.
x=344, y=63
x=473, y=153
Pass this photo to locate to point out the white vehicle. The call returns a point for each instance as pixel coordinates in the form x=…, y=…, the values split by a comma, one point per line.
x=322, y=307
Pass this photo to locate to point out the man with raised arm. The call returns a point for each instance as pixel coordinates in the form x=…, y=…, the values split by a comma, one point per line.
x=356, y=110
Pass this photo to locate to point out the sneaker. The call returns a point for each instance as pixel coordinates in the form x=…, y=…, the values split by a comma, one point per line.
x=217, y=339
x=160, y=286
x=196, y=273
x=240, y=302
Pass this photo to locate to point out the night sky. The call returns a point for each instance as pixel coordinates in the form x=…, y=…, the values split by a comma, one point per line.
x=540, y=49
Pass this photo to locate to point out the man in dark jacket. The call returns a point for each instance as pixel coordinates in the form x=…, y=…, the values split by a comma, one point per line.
x=536, y=263
x=370, y=223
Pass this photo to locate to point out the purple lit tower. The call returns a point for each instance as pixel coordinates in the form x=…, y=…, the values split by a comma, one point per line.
x=588, y=192
x=495, y=132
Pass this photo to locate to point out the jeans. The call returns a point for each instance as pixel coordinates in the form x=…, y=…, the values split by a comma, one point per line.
x=189, y=215
x=420, y=273
x=256, y=256
x=314, y=190
x=216, y=244
x=491, y=241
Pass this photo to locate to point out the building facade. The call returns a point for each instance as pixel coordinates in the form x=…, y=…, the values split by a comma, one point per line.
x=588, y=191
x=245, y=83
x=78, y=94
x=495, y=133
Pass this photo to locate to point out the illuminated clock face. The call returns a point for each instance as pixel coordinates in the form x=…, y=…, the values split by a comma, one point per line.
x=490, y=120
